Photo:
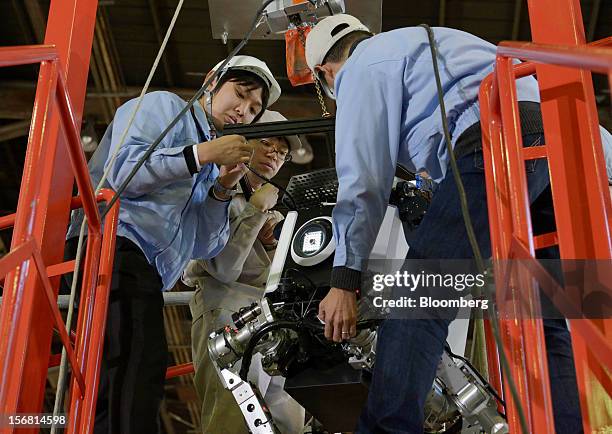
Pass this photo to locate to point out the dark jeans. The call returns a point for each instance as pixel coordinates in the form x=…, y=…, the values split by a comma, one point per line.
x=408, y=351
x=134, y=362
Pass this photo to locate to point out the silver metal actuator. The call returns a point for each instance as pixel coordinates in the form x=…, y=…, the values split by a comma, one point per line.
x=256, y=414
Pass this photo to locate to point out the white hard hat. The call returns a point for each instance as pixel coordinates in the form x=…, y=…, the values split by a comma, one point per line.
x=295, y=142
x=257, y=67
x=324, y=35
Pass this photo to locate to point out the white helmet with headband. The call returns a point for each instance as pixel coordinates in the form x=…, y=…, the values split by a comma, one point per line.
x=257, y=67
x=324, y=35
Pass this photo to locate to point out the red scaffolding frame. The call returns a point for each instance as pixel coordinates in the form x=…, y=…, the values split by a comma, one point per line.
x=35, y=262
x=583, y=212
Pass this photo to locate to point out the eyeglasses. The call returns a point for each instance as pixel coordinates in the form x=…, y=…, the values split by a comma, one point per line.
x=269, y=147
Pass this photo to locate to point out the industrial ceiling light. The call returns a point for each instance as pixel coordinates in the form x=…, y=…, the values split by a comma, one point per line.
x=89, y=138
x=303, y=154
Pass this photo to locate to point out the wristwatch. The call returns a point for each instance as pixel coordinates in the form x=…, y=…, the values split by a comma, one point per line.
x=221, y=192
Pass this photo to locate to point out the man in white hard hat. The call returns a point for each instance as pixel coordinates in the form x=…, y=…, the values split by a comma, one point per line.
x=388, y=113
x=175, y=209
x=235, y=278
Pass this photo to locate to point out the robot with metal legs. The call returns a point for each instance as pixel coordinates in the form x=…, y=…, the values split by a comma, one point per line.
x=283, y=327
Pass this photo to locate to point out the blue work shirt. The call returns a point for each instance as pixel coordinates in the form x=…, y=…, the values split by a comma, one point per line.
x=388, y=112
x=165, y=210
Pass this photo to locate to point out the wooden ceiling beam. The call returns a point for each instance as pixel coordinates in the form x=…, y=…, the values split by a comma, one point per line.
x=23, y=22
x=516, y=22
x=37, y=19
x=18, y=100
x=14, y=130
x=442, y=14
x=593, y=20
x=158, y=34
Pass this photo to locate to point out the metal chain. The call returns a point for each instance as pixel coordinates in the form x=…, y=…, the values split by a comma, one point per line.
x=324, y=112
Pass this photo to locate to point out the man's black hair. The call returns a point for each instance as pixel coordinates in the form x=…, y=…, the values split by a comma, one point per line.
x=249, y=80
x=338, y=52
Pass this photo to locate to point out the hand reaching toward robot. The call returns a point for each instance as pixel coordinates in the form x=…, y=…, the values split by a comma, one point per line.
x=265, y=198
x=338, y=310
x=266, y=233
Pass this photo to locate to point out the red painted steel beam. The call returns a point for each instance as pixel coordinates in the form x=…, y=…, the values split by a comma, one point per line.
x=61, y=268
x=15, y=258
x=7, y=221
x=534, y=359
x=92, y=323
x=545, y=240
x=77, y=158
x=501, y=228
x=57, y=318
x=70, y=28
x=26, y=54
x=595, y=59
x=22, y=286
x=178, y=370
x=578, y=178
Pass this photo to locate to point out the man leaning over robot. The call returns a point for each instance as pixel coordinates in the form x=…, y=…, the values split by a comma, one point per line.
x=388, y=113
x=235, y=278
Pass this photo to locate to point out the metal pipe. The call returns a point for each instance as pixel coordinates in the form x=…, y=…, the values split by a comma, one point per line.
x=98, y=319
x=77, y=158
x=17, y=311
x=27, y=54
x=534, y=354
x=59, y=323
x=178, y=370
x=595, y=59
x=170, y=298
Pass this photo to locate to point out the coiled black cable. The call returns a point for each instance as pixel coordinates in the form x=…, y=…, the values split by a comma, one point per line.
x=470, y=228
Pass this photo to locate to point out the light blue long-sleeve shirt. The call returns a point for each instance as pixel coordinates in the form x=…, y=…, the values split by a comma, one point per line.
x=606, y=141
x=388, y=112
x=164, y=210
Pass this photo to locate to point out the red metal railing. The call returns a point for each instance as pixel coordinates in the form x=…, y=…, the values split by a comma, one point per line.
x=178, y=370
x=24, y=265
x=511, y=230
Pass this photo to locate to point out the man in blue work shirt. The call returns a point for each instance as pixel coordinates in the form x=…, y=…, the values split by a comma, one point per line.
x=388, y=113
x=173, y=210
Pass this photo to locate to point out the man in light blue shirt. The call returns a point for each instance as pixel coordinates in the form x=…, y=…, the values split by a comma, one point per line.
x=173, y=210
x=388, y=113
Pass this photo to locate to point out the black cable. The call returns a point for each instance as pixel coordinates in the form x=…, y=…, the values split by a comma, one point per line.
x=303, y=274
x=469, y=227
x=190, y=103
x=455, y=169
x=247, y=356
x=360, y=325
x=259, y=334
